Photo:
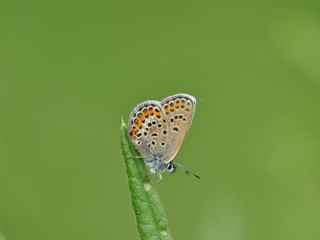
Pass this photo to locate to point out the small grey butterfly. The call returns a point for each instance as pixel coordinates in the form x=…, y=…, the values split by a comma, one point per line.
x=157, y=130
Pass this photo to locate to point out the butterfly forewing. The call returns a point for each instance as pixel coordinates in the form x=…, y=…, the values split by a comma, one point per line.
x=179, y=110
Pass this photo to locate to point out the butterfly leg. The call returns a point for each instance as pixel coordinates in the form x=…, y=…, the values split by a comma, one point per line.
x=146, y=180
x=136, y=157
x=159, y=180
x=150, y=173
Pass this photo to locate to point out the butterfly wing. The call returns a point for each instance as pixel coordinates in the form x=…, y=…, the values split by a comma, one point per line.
x=179, y=110
x=149, y=129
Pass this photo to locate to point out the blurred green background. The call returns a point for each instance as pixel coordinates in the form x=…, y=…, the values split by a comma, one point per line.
x=70, y=69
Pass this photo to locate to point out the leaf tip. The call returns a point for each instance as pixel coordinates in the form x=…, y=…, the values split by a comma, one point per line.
x=123, y=125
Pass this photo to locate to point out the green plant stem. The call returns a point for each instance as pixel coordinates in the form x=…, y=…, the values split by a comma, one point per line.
x=152, y=223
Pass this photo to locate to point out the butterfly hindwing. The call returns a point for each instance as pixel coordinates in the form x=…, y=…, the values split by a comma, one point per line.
x=149, y=129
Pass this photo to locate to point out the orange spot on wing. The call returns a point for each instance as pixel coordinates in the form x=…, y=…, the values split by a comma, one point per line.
x=134, y=132
x=138, y=124
x=151, y=112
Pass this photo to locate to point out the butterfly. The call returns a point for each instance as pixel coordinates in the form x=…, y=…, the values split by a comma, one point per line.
x=157, y=130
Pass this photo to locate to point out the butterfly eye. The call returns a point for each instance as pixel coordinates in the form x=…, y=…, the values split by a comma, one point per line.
x=171, y=168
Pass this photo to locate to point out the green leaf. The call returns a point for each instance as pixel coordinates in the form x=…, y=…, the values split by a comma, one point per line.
x=151, y=221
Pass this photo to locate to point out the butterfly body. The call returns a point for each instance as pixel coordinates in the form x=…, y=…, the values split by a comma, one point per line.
x=157, y=129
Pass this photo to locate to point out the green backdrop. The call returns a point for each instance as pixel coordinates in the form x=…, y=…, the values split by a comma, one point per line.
x=70, y=69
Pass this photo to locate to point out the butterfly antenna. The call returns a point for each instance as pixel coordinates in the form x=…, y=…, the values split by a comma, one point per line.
x=186, y=170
